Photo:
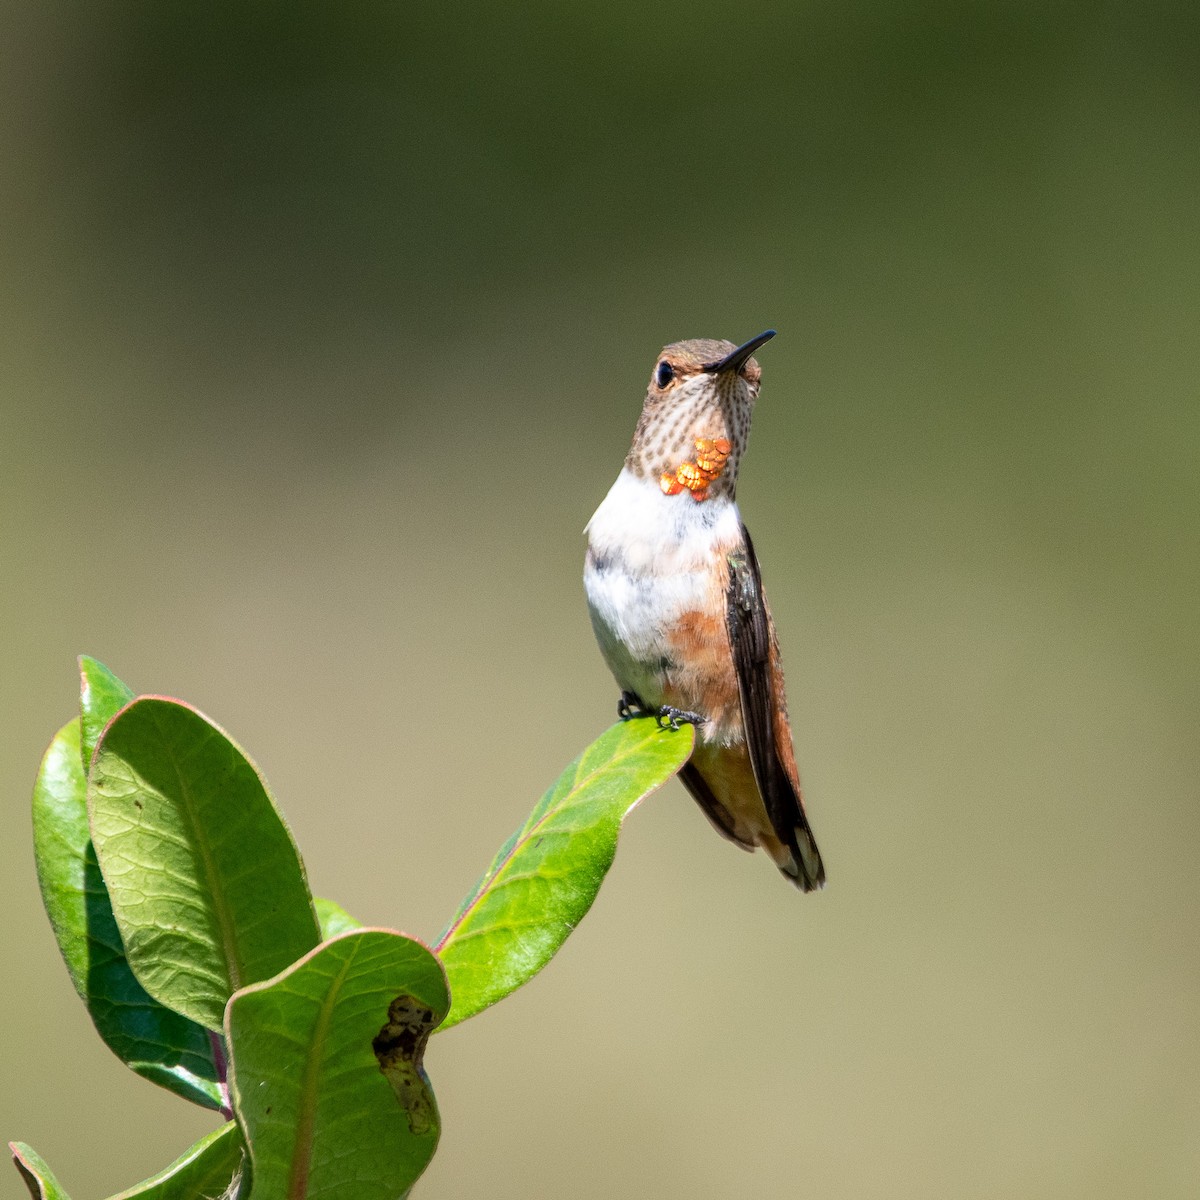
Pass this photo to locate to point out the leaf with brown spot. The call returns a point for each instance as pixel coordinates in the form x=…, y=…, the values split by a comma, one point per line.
x=399, y=1049
x=353, y=1113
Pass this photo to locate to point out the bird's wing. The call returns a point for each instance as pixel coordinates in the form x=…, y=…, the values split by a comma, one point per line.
x=760, y=685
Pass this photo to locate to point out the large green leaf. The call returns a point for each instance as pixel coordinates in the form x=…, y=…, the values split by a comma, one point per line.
x=325, y=1069
x=205, y=881
x=207, y=1169
x=547, y=874
x=156, y=1042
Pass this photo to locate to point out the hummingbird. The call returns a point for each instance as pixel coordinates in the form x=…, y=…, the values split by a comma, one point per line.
x=677, y=604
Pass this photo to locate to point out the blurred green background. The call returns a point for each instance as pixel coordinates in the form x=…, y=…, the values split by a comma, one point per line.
x=325, y=329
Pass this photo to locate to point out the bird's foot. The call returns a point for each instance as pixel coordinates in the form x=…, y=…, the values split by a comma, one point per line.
x=631, y=706
x=672, y=718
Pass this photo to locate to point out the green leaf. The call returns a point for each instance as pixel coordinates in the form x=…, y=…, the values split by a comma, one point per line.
x=157, y=1043
x=39, y=1179
x=547, y=874
x=101, y=696
x=207, y=1169
x=205, y=881
x=325, y=1068
x=333, y=918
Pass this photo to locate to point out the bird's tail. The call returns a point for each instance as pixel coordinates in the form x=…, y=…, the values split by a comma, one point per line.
x=800, y=860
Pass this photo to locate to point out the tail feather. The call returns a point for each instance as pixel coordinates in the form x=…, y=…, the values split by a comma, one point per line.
x=801, y=860
x=723, y=784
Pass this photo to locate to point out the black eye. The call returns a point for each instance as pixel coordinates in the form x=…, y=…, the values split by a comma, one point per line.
x=664, y=373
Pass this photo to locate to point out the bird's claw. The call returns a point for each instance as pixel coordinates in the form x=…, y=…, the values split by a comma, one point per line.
x=672, y=718
x=630, y=706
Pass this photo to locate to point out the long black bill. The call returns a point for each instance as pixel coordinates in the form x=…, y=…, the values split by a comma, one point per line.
x=735, y=359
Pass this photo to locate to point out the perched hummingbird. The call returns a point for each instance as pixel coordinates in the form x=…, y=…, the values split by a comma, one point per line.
x=677, y=602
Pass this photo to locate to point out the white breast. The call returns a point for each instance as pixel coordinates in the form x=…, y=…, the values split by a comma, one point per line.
x=651, y=557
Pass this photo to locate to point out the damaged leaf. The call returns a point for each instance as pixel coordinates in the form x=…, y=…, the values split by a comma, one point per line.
x=399, y=1049
x=353, y=1114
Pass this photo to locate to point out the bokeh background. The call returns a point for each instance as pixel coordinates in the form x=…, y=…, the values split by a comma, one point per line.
x=324, y=330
